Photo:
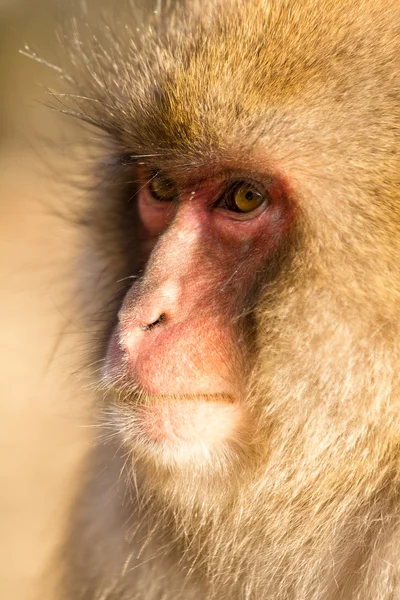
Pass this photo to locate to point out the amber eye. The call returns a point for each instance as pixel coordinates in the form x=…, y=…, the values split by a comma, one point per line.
x=243, y=198
x=162, y=188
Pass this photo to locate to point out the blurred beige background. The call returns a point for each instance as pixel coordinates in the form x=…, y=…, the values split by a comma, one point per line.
x=42, y=412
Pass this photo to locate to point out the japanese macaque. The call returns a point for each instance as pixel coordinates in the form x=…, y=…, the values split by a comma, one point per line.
x=244, y=235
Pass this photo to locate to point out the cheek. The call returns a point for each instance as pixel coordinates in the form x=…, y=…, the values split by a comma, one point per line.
x=155, y=216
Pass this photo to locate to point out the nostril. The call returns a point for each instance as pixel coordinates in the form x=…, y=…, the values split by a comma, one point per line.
x=150, y=326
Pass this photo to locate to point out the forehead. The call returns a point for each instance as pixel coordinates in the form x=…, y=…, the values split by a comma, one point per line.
x=222, y=80
x=253, y=78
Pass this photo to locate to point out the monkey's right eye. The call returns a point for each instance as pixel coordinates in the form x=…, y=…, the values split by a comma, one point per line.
x=162, y=189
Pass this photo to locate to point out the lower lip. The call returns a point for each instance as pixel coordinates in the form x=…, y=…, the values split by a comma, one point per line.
x=203, y=420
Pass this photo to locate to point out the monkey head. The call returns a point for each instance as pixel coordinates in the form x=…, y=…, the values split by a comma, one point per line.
x=253, y=218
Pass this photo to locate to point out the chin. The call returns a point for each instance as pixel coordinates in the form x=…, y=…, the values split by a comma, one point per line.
x=180, y=431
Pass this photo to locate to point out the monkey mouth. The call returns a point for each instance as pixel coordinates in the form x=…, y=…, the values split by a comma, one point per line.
x=178, y=424
x=154, y=367
x=164, y=408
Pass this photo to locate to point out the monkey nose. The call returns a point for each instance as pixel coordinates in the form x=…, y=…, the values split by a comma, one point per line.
x=144, y=312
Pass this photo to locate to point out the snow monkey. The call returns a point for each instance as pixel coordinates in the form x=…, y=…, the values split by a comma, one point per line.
x=243, y=255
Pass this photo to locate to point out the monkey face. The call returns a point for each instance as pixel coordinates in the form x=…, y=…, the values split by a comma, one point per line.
x=180, y=343
x=250, y=232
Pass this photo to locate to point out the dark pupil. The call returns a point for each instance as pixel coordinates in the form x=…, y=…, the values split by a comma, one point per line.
x=166, y=186
x=249, y=196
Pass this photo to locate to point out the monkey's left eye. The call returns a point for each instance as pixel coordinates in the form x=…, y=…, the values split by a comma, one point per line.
x=162, y=189
x=243, y=198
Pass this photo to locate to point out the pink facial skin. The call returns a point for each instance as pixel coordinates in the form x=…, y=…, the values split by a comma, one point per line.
x=177, y=333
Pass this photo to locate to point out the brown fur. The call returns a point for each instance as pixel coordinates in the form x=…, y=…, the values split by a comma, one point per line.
x=307, y=506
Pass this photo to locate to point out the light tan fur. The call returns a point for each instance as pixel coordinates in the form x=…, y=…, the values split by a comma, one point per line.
x=307, y=506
